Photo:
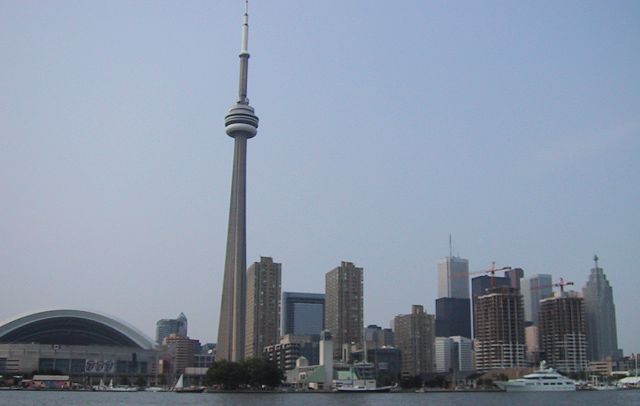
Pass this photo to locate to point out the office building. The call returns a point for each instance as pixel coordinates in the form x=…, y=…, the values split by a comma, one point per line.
x=453, y=317
x=344, y=306
x=182, y=351
x=241, y=123
x=532, y=341
x=166, y=327
x=500, y=341
x=463, y=350
x=443, y=354
x=302, y=313
x=415, y=338
x=454, y=354
x=515, y=276
x=453, y=277
x=263, y=306
x=563, y=337
x=534, y=289
x=600, y=312
x=378, y=337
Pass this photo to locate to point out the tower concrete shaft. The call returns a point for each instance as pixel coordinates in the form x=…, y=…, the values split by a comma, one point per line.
x=241, y=124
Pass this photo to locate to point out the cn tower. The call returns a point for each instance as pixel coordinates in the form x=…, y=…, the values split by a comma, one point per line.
x=241, y=123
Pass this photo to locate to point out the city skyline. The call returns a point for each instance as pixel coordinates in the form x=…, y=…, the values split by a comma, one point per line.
x=514, y=128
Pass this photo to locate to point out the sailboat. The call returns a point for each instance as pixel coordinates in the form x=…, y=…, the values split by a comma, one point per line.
x=179, y=388
x=100, y=387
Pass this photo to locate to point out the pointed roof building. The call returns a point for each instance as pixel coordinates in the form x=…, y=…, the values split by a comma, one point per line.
x=600, y=314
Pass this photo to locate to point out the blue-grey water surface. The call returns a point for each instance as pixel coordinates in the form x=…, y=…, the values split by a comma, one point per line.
x=31, y=398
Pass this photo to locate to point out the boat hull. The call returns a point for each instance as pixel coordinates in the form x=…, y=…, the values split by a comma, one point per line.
x=517, y=387
x=364, y=390
x=190, y=390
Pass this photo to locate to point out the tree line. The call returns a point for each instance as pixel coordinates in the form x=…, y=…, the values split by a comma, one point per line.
x=252, y=373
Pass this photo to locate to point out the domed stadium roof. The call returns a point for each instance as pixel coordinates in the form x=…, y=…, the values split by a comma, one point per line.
x=72, y=327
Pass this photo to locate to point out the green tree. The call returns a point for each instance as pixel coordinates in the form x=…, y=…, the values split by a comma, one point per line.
x=253, y=372
x=230, y=375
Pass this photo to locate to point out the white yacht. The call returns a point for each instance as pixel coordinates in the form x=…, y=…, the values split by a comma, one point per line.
x=544, y=379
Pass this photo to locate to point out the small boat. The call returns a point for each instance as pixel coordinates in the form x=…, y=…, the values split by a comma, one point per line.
x=362, y=386
x=155, y=389
x=543, y=380
x=99, y=387
x=180, y=388
x=112, y=388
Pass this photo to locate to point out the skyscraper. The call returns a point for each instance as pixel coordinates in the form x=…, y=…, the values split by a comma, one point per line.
x=263, y=306
x=453, y=317
x=500, y=341
x=480, y=286
x=166, y=327
x=453, y=277
x=302, y=313
x=454, y=354
x=344, y=305
x=534, y=289
x=600, y=312
x=378, y=337
x=415, y=337
x=241, y=124
x=563, y=339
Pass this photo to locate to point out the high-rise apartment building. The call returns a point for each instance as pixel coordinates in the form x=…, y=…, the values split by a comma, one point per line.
x=480, y=285
x=600, y=312
x=166, y=327
x=563, y=338
x=263, y=306
x=453, y=277
x=344, y=306
x=415, y=337
x=302, y=313
x=500, y=341
x=534, y=289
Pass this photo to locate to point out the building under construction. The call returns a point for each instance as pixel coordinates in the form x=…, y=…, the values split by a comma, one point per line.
x=563, y=339
x=500, y=340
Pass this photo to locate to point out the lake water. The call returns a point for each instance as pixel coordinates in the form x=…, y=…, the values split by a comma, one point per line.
x=30, y=398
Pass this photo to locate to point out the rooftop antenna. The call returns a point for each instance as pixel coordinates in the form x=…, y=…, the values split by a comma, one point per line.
x=595, y=259
x=450, y=247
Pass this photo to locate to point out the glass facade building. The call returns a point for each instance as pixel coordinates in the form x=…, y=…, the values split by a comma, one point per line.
x=302, y=313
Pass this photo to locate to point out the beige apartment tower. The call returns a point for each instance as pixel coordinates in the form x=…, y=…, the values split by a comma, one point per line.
x=344, y=306
x=415, y=338
x=563, y=336
x=500, y=340
x=263, y=306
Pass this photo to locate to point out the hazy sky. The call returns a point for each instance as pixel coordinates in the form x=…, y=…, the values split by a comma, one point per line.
x=384, y=127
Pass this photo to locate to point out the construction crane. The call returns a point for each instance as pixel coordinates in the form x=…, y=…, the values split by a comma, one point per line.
x=560, y=284
x=492, y=271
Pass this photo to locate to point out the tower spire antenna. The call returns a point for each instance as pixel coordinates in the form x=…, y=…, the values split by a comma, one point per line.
x=244, y=57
